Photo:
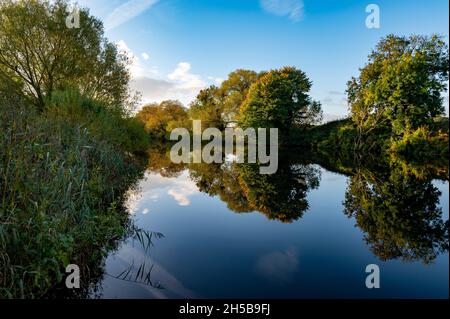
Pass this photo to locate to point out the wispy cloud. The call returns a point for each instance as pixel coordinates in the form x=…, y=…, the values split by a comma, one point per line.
x=291, y=8
x=127, y=11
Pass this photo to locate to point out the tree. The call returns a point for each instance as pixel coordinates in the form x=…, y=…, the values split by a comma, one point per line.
x=219, y=106
x=160, y=119
x=234, y=90
x=208, y=108
x=401, y=85
x=41, y=54
x=280, y=99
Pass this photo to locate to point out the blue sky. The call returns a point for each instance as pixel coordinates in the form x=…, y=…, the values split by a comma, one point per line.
x=180, y=46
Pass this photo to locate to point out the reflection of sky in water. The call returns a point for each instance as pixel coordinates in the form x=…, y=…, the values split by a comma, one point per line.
x=211, y=252
x=154, y=186
x=118, y=288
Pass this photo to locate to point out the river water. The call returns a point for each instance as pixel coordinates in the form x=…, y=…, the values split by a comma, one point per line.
x=308, y=231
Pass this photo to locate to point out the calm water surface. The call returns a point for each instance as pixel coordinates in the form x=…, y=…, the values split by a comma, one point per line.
x=224, y=231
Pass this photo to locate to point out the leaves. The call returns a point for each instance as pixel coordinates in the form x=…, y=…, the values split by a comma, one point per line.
x=401, y=85
x=40, y=54
x=280, y=99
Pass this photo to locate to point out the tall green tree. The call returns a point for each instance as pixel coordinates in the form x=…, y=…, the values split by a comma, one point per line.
x=219, y=106
x=234, y=91
x=41, y=53
x=208, y=108
x=280, y=99
x=400, y=87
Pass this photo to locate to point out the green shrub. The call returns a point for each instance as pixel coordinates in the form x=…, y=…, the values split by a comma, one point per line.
x=103, y=122
x=63, y=174
x=421, y=144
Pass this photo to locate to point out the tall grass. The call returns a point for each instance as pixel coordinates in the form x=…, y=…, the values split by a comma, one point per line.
x=62, y=176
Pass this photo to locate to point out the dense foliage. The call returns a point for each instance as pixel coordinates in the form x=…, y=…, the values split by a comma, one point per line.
x=40, y=54
x=160, y=118
x=67, y=146
x=280, y=99
x=220, y=106
x=399, y=90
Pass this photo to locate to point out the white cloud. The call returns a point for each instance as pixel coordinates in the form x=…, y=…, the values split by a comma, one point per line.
x=180, y=84
x=131, y=256
x=291, y=8
x=126, y=12
x=181, y=196
x=328, y=117
x=446, y=104
x=184, y=78
x=217, y=81
x=135, y=67
x=180, y=189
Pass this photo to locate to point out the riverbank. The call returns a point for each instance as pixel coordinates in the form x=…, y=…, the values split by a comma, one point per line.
x=425, y=144
x=63, y=173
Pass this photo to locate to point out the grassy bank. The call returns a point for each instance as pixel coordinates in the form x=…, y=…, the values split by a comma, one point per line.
x=62, y=175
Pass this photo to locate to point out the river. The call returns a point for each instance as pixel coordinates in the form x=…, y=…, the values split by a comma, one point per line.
x=308, y=231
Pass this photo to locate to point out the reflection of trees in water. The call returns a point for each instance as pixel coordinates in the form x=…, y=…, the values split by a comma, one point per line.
x=159, y=162
x=280, y=196
x=399, y=213
x=393, y=202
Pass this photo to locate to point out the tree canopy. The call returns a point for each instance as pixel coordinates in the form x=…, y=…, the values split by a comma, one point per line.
x=160, y=118
x=234, y=91
x=280, y=99
x=208, y=108
x=219, y=106
x=40, y=53
x=401, y=85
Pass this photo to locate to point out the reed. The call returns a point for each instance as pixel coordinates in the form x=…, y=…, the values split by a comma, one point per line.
x=62, y=175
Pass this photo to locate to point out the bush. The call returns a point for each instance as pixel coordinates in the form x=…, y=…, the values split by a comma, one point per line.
x=63, y=174
x=102, y=121
x=421, y=144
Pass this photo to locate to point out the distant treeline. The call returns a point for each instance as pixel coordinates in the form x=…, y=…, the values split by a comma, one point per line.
x=395, y=104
